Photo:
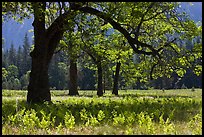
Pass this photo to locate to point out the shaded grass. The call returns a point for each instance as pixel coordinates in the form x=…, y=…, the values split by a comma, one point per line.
x=122, y=93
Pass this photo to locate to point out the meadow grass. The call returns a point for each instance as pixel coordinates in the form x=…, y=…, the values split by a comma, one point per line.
x=131, y=112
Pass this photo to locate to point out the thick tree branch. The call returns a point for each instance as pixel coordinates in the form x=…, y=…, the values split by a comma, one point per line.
x=59, y=23
x=55, y=32
x=116, y=26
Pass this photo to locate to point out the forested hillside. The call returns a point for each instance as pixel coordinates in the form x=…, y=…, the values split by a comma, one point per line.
x=16, y=65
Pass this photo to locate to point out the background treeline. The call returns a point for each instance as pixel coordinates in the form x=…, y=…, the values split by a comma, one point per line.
x=16, y=66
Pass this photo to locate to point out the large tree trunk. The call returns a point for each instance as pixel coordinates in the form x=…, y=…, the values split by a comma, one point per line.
x=46, y=42
x=116, y=78
x=73, y=77
x=100, y=80
x=38, y=88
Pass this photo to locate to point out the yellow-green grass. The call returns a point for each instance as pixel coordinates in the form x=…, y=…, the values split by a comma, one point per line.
x=153, y=112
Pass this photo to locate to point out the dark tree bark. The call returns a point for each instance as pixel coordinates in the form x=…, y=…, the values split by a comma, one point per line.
x=116, y=78
x=100, y=80
x=104, y=83
x=46, y=41
x=99, y=70
x=38, y=88
x=73, y=78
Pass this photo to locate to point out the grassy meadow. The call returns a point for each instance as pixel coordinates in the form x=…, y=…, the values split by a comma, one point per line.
x=139, y=112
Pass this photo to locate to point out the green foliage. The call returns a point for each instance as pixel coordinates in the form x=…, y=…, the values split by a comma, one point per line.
x=145, y=123
x=181, y=72
x=69, y=120
x=157, y=24
x=118, y=120
x=17, y=118
x=198, y=70
x=83, y=115
x=196, y=124
x=16, y=10
x=12, y=82
x=46, y=120
x=148, y=27
x=4, y=74
x=100, y=115
x=167, y=126
x=92, y=121
x=30, y=119
x=12, y=71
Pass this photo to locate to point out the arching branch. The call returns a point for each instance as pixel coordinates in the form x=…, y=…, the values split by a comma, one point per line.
x=133, y=43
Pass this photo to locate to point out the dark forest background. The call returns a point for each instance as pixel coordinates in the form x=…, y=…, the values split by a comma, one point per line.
x=16, y=66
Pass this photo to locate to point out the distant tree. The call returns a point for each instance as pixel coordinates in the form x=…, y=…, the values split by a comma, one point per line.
x=12, y=55
x=87, y=81
x=70, y=44
x=4, y=74
x=53, y=71
x=4, y=58
x=16, y=84
x=12, y=81
x=26, y=59
x=62, y=75
x=58, y=71
x=4, y=78
x=20, y=61
x=24, y=80
x=12, y=71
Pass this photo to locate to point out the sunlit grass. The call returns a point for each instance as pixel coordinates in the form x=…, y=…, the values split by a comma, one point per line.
x=180, y=109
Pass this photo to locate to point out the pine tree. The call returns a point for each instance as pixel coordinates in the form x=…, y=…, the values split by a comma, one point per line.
x=26, y=59
x=4, y=57
x=12, y=55
x=19, y=61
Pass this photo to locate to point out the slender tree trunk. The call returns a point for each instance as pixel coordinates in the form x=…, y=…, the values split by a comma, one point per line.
x=73, y=78
x=100, y=80
x=116, y=78
x=104, y=83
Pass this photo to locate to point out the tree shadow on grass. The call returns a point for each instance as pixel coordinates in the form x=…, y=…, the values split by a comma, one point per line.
x=124, y=95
